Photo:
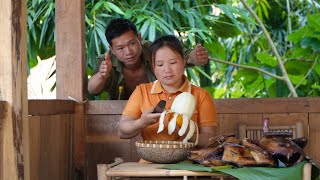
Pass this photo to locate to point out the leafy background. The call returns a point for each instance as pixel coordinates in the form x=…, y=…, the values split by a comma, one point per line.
x=226, y=28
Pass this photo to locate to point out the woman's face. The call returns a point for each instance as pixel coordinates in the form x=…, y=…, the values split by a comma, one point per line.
x=169, y=68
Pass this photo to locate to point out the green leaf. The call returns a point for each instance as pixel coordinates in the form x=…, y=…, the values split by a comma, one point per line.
x=152, y=31
x=97, y=6
x=129, y=14
x=215, y=49
x=224, y=28
x=300, y=34
x=317, y=69
x=301, y=52
x=43, y=31
x=295, y=79
x=115, y=8
x=259, y=12
x=254, y=173
x=237, y=91
x=315, y=87
x=32, y=53
x=266, y=59
x=312, y=42
x=164, y=27
x=272, y=90
x=202, y=72
x=102, y=37
x=314, y=21
x=219, y=93
x=246, y=76
x=191, y=37
x=296, y=67
x=192, y=76
x=170, y=3
x=225, y=9
x=264, y=6
x=96, y=42
x=191, y=20
x=145, y=27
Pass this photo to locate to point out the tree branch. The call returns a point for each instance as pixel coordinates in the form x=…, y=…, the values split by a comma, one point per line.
x=247, y=67
x=274, y=49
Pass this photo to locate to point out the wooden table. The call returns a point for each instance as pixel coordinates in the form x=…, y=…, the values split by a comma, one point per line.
x=136, y=169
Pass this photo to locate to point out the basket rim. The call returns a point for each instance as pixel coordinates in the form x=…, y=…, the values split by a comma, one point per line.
x=164, y=144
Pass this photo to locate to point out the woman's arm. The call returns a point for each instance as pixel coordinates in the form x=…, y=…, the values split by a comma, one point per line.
x=129, y=127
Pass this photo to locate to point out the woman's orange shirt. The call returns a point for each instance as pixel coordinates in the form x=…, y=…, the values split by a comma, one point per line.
x=146, y=96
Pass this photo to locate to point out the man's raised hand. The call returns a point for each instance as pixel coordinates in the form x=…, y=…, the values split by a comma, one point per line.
x=200, y=55
x=105, y=67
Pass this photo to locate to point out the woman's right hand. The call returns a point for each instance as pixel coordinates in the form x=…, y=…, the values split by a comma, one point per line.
x=148, y=117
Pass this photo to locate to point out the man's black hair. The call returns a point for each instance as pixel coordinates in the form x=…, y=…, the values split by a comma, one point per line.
x=117, y=27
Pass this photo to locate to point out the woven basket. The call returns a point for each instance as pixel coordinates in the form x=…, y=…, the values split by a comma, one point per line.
x=163, y=152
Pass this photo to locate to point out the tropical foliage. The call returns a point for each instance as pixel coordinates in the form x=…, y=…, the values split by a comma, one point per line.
x=243, y=63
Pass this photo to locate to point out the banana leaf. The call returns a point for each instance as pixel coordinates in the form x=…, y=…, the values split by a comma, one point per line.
x=249, y=173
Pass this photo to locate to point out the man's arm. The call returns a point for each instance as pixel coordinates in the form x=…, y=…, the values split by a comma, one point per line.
x=198, y=56
x=96, y=84
x=98, y=81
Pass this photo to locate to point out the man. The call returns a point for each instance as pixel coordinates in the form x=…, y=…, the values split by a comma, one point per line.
x=128, y=63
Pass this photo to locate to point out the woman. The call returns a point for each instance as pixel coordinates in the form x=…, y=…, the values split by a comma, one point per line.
x=168, y=64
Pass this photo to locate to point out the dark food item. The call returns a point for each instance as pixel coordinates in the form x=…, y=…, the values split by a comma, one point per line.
x=301, y=142
x=208, y=156
x=211, y=154
x=159, y=108
x=227, y=149
x=260, y=155
x=238, y=155
x=283, y=149
x=247, y=154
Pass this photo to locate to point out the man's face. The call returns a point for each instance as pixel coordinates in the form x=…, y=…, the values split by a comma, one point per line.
x=127, y=48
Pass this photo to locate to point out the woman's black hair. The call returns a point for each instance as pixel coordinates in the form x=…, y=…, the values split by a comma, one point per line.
x=170, y=41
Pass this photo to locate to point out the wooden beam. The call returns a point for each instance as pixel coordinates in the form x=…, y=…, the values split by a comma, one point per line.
x=227, y=106
x=71, y=70
x=14, y=134
x=105, y=107
x=50, y=107
x=268, y=105
x=70, y=49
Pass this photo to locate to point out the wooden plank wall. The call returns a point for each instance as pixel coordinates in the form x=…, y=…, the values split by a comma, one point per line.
x=103, y=143
x=50, y=129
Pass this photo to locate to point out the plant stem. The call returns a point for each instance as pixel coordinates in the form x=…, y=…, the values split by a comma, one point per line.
x=274, y=49
x=247, y=67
